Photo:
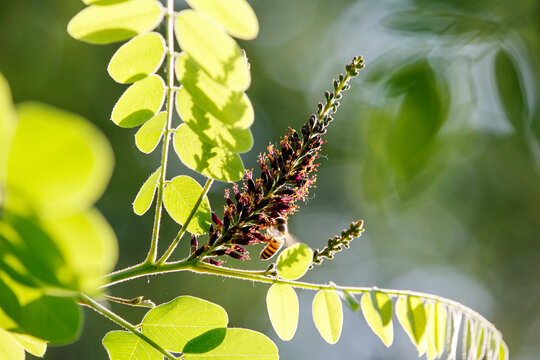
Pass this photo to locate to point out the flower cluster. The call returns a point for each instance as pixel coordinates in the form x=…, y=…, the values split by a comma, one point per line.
x=287, y=173
x=338, y=242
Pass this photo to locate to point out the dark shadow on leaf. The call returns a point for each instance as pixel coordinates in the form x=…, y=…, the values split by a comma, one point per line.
x=205, y=342
x=136, y=118
x=109, y=36
x=135, y=77
x=293, y=256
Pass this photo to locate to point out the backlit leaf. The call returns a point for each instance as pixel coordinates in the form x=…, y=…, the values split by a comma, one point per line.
x=122, y=345
x=139, y=102
x=145, y=196
x=180, y=197
x=236, y=344
x=436, y=328
x=110, y=22
x=294, y=261
x=348, y=299
x=8, y=123
x=148, y=136
x=511, y=89
x=58, y=160
x=138, y=58
x=177, y=322
x=377, y=310
x=282, y=305
x=210, y=160
x=328, y=315
x=412, y=317
x=236, y=16
x=215, y=51
x=31, y=344
x=9, y=348
x=231, y=107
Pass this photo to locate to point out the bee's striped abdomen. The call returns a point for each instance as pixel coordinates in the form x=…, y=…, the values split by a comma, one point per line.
x=271, y=249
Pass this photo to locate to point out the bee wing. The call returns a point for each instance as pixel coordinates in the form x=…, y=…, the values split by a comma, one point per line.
x=289, y=240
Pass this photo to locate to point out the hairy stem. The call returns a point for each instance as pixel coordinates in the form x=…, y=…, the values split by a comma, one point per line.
x=152, y=253
x=91, y=303
x=182, y=231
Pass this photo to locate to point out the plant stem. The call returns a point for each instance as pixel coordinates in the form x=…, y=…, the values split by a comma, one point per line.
x=91, y=303
x=176, y=240
x=152, y=253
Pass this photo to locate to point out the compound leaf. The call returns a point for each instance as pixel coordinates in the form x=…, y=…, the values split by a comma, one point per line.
x=328, y=315
x=294, y=261
x=412, y=317
x=235, y=344
x=183, y=319
x=214, y=50
x=145, y=196
x=210, y=160
x=282, y=305
x=180, y=197
x=377, y=310
x=122, y=345
x=63, y=176
x=148, y=136
x=231, y=107
x=138, y=58
x=139, y=102
x=111, y=22
x=236, y=16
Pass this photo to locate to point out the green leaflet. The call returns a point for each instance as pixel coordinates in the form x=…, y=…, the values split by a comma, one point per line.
x=8, y=123
x=139, y=102
x=123, y=345
x=294, y=261
x=31, y=344
x=180, y=197
x=9, y=348
x=229, y=106
x=236, y=16
x=231, y=344
x=61, y=179
x=412, y=317
x=181, y=320
x=138, y=58
x=206, y=158
x=110, y=22
x=148, y=136
x=282, y=305
x=207, y=127
x=377, y=310
x=511, y=90
x=436, y=329
x=215, y=51
x=146, y=193
x=328, y=315
x=347, y=298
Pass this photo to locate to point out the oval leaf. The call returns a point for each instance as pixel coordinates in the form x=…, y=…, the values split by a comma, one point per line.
x=139, y=102
x=138, y=58
x=294, y=261
x=282, y=305
x=181, y=320
x=180, y=197
x=328, y=315
x=236, y=344
x=377, y=310
x=215, y=51
x=31, y=344
x=108, y=23
x=61, y=179
x=236, y=16
x=148, y=136
x=9, y=348
x=436, y=328
x=123, y=345
x=511, y=89
x=212, y=161
x=412, y=317
x=228, y=106
x=145, y=196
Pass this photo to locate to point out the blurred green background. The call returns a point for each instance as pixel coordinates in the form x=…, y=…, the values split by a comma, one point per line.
x=436, y=147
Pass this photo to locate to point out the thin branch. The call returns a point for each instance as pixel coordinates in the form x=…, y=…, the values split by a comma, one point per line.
x=91, y=303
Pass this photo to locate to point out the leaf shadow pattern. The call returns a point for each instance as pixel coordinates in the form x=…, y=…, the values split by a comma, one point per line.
x=294, y=256
x=205, y=342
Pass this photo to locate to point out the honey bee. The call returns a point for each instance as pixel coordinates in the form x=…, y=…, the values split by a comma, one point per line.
x=280, y=236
